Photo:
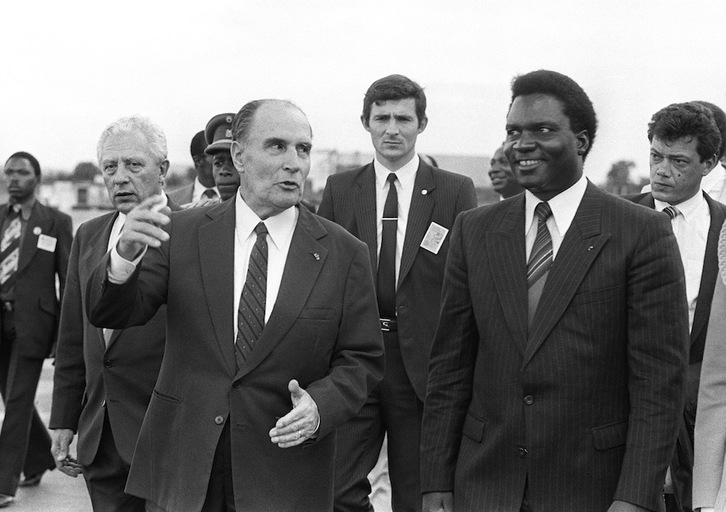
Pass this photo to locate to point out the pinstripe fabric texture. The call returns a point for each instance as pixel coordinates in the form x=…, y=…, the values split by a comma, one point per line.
x=583, y=405
x=540, y=259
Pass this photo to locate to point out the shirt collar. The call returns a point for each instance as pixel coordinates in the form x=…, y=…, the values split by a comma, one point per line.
x=405, y=174
x=688, y=208
x=564, y=205
x=199, y=189
x=280, y=227
x=26, y=207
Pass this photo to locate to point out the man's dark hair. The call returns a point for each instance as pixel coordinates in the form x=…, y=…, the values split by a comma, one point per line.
x=687, y=120
x=394, y=87
x=243, y=119
x=720, y=119
x=576, y=105
x=30, y=158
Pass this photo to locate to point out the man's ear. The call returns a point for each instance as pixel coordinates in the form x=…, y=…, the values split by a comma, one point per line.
x=236, y=152
x=164, y=168
x=364, y=122
x=583, y=142
x=422, y=124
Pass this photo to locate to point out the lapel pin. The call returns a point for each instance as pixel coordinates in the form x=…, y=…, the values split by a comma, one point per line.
x=591, y=248
x=316, y=256
x=36, y=230
x=424, y=192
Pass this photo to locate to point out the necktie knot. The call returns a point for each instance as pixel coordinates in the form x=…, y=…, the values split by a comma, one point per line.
x=543, y=211
x=261, y=229
x=392, y=178
x=210, y=193
x=671, y=211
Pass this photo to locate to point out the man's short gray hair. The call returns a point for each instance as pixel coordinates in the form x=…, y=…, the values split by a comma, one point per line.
x=137, y=124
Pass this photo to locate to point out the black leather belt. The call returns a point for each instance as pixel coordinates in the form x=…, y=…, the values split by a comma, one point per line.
x=389, y=325
x=7, y=305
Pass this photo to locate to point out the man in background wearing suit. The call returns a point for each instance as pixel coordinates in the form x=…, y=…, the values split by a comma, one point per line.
x=504, y=182
x=34, y=244
x=403, y=209
x=684, y=142
x=104, y=377
x=557, y=371
x=203, y=190
x=273, y=338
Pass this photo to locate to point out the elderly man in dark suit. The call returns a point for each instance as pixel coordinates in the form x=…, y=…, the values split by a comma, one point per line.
x=104, y=377
x=409, y=244
x=34, y=244
x=273, y=338
x=684, y=142
x=557, y=371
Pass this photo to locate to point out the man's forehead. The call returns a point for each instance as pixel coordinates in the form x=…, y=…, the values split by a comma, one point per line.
x=125, y=144
x=18, y=163
x=407, y=105
x=686, y=143
x=535, y=107
x=280, y=120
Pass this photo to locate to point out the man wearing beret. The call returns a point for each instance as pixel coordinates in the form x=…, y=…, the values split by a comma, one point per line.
x=203, y=189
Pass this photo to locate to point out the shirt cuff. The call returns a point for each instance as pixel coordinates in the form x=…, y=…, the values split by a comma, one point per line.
x=120, y=269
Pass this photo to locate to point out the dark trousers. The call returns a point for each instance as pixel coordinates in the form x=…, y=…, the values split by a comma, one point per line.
x=24, y=440
x=220, y=492
x=106, y=477
x=393, y=409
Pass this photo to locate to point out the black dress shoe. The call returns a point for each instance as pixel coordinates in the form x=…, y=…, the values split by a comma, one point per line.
x=31, y=480
x=5, y=500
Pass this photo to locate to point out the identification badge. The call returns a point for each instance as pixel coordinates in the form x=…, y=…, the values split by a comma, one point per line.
x=434, y=238
x=47, y=243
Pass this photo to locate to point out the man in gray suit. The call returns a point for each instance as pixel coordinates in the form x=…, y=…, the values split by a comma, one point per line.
x=557, y=372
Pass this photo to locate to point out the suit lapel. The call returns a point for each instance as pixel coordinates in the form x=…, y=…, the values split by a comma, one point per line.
x=710, y=271
x=580, y=246
x=365, y=213
x=418, y=217
x=96, y=247
x=38, y=223
x=302, y=267
x=509, y=269
x=216, y=256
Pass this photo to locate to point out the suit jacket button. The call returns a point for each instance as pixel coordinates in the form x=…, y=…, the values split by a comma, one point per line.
x=236, y=384
x=107, y=363
x=529, y=400
x=522, y=451
x=219, y=420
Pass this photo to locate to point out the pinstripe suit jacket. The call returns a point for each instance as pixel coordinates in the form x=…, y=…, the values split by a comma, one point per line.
x=583, y=405
x=438, y=196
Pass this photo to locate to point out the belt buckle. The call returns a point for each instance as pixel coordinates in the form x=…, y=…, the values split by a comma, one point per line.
x=8, y=306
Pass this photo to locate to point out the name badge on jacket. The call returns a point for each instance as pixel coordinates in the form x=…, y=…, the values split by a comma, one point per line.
x=434, y=238
x=47, y=243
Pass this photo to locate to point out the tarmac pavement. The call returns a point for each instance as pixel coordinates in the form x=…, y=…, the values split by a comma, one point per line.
x=60, y=493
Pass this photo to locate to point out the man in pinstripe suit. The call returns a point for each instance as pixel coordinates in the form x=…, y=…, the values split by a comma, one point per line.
x=560, y=390
x=429, y=199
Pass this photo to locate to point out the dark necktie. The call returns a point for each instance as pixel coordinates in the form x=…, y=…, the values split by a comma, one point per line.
x=671, y=211
x=10, y=249
x=251, y=311
x=386, y=285
x=540, y=259
x=210, y=193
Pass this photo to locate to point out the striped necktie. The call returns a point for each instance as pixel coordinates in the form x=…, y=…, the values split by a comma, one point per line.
x=251, y=311
x=10, y=249
x=540, y=259
x=671, y=211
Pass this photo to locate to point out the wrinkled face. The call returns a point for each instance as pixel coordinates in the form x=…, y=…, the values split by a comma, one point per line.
x=503, y=180
x=274, y=161
x=226, y=176
x=130, y=171
x=545, y=154
x=203, y=166
x=676, y=169
x=394, y=127
x=20, y=179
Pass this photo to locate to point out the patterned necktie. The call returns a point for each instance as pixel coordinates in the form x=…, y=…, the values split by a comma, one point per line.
x=10, y=249
x=386, y=285
x=540, y=260
x=671, y=211
x=251, y=311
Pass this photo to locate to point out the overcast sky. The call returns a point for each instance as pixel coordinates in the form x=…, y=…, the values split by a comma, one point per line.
x=69, y=68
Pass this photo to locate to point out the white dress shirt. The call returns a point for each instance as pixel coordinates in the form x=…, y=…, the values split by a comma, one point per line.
x=691, y=229
x=404, y=187
x=564, y=206
x=199, y=189
x=280, y=229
